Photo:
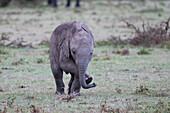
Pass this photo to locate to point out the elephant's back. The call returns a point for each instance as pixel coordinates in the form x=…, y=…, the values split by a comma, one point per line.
x=59, y=33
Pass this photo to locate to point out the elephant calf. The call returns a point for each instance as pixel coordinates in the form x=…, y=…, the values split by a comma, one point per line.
x=71, y=49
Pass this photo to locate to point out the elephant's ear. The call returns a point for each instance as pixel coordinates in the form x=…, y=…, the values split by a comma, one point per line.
x=66, y=35
x=85, y=28
x=64, y=44
x=66, y=47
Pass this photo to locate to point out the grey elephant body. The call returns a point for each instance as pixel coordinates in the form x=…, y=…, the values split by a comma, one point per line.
x=69, y=43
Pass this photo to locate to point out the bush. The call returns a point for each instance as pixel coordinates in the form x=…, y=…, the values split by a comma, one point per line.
x=150, y=35
x=143, y=52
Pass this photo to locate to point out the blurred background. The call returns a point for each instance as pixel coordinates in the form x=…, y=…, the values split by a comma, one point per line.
x=33, y=21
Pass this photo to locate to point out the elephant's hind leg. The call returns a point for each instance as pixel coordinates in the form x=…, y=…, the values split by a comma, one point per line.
x=75, y=88
x=70, y=84
x=58, y=75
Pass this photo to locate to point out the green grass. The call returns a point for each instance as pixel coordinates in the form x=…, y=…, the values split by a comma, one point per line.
x=143, y=52
x=165, y=45
x=3, y=52
x=130, y=83
x=126, y=73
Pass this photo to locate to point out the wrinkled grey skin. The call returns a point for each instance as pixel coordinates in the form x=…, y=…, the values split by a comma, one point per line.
x=54, y=3
x=71, y=49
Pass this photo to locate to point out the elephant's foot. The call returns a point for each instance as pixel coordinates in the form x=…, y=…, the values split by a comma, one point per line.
x=60, y=90
x=75, y=94
x=69, y=90
x=75, y=91
x=78, y=94
x=75, y=87
x=88, y=79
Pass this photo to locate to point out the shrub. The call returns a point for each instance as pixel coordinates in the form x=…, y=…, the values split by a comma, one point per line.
x=143, y=52
x=150, y=35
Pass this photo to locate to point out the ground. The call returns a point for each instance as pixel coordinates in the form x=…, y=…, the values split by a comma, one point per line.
x=125, y=83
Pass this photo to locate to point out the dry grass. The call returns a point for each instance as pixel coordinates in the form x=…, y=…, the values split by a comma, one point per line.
x=150, y=35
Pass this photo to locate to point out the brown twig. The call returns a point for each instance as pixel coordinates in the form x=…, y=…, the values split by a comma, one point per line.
x=143, y=26
x=130, y=25
x=70, y=97
x=166, y=24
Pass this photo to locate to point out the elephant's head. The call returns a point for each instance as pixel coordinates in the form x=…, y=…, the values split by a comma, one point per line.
x=79, y=46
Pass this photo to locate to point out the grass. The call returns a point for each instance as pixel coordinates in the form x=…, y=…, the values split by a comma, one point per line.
x=143, y=52
x=165, y=45
x=154, y=10
x=114, y=41
x=125, y=83
x=127, y=74
x=3, y=52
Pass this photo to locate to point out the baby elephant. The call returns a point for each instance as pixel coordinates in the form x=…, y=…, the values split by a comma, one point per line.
x=71, y=49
